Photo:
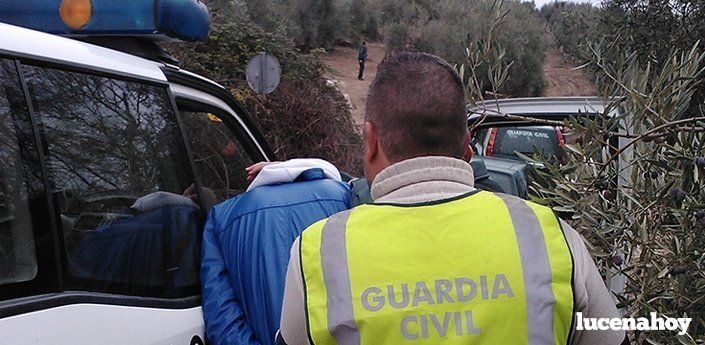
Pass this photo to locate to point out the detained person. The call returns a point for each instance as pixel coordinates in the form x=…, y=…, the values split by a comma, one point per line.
x=246, y=244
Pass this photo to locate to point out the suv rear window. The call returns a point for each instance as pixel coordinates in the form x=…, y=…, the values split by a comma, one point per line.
x=526, y=140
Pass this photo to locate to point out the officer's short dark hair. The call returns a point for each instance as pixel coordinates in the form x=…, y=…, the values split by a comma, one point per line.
x=417, y=105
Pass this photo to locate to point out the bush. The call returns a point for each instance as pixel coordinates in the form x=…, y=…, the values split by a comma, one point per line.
x=573, y=24
x=445, y=27
x=303, y=116
x=640, y=204
x=363, y=21
x=223, y=11
x=314, y=24
x=649, y=29
x=654, y=29
x=633, y=182
x=314, y=126
x=441, y=27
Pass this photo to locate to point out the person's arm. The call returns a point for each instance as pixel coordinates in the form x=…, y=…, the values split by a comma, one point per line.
x=293, y=328
x=224, y=318
x=591, y=295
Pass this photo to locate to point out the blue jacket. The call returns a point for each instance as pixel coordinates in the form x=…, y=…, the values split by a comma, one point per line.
x=246, y=246
x=362, y=53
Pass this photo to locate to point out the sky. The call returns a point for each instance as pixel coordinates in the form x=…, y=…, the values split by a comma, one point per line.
x=540, y=3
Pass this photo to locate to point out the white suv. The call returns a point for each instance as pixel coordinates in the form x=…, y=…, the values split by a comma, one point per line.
x=109, y=164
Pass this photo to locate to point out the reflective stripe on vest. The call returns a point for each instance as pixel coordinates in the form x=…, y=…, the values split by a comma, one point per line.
x=485, y=268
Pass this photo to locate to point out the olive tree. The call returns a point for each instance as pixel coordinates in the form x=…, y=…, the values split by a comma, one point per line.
x=633, y=185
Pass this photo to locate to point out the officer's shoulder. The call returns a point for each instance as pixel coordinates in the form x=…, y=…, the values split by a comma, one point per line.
x=314, y=229
x=518, y=200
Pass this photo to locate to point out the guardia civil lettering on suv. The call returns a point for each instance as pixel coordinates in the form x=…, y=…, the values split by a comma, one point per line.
x=111, y=156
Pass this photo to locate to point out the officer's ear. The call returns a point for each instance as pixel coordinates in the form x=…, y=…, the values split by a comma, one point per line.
x=467, y=143
x=371, y=142
x=374, y=158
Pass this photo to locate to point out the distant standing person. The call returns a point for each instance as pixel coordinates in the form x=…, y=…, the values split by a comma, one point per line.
x=361, y=58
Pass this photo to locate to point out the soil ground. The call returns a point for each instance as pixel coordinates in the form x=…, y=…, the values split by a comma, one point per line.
x=560, y=77
x=343, y=61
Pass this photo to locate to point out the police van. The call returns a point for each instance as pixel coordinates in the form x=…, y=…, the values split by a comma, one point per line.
x=111, y=156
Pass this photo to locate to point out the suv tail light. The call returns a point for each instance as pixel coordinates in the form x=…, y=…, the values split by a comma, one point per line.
x=561, y=143
x=490, y=144
x=559, y=135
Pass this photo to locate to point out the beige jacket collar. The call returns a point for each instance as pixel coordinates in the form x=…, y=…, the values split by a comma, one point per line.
x=423, y=179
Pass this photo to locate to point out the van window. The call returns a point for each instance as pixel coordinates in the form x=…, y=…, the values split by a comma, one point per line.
x=528, y=140
x=18, y=260
x=120, y=176
x=219, y=156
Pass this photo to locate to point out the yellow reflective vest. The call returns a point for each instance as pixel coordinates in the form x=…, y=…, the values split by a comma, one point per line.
x=481, y=268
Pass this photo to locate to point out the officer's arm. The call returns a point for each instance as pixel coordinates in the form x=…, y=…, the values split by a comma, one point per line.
x=591, y=295
x=293, y=321
x=224, y=318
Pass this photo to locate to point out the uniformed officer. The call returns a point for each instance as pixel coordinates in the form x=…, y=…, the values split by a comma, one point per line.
x=433, y=260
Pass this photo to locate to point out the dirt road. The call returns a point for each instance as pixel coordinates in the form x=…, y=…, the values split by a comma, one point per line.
x=343, y=61
x=561, y=79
